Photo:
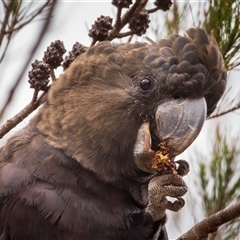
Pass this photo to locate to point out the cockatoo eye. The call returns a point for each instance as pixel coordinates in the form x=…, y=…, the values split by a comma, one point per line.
x=145, y=84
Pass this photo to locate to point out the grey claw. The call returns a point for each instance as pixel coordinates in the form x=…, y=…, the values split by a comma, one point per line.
x=176, y=205
x=183, y=168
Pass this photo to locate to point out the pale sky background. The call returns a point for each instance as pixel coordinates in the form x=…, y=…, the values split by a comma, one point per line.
x=69, y=25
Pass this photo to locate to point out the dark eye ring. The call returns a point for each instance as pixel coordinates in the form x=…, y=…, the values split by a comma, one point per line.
x=145, y=84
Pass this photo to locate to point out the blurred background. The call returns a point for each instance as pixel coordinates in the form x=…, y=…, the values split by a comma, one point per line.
x=215, y=155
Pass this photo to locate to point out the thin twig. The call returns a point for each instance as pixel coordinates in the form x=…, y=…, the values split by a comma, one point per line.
x=5, y=21
x=130, y=38
x=28, y=21
x=5, y=49
x=118, y=17
x=224, y=112
x=93, y=42
x=14, y=121
x=212, y=223
x=125, y=34
x=125, y=19
x=5, y=5
x=27, y=63
x=52, y=74
x=35, y=94
x=9, y=35
x=153, y=10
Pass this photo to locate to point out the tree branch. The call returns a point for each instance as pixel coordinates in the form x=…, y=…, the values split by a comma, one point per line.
x=14, y=121
x=212, y=223
x=39, y=39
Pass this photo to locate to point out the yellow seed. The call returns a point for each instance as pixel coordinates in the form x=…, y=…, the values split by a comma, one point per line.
x=159, y=158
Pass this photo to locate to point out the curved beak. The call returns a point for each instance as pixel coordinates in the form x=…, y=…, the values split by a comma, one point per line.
x=177, y=124
x=179, y=121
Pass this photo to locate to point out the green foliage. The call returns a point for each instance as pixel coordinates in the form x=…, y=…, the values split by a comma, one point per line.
x=219, y=181
x=223, y=22
x=176, y=18
x=15, y=6
x=17, y=15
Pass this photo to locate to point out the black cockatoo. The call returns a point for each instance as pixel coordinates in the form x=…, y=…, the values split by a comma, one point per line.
x=81, y=168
